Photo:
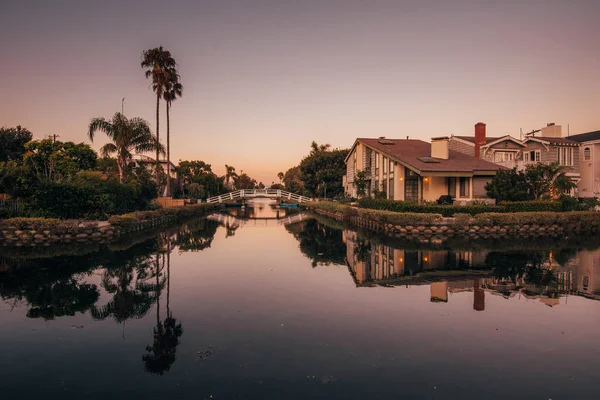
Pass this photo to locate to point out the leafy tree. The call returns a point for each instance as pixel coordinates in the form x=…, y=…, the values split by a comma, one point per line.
x=243, y=181
x=260, y=185
x=547, y=180
x=17, y=179
x=322, y=244
x=323, y=167
x=361, y=181
x=173, y=91
x=317, y=148
x=292, y=181
x=276, y=186
x=12, y=142
x=195, y=190
x=127, y=135
x=57, y=161
x=509, y=185
x=158, y=64
x=200, y=172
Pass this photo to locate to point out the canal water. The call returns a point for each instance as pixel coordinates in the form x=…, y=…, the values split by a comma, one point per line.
x=269, y=303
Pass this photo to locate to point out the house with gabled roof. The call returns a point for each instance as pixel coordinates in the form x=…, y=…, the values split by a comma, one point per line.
x=414, y=170
x=546, y=145
x=589, y=165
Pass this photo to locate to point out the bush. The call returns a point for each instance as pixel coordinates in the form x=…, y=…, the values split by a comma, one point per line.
x=445, y=200
x=588, y=203
x=87, y=197
x=568, y=203
x=444, y=210
x=530, y=206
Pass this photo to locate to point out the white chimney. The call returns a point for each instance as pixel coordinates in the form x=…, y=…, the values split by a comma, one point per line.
x=439, y=147
x=551, y=130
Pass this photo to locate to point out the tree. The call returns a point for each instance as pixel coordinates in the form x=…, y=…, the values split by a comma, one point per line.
x=260, y=185
x=173, y=91
x=317, y=148
x=280, y=176
x=127, y=135
x=57, y=161
x=509, y=185
x=12, y=143
x=323, y=167
x=547, y=180
x=361, y=183
x=158, y=64
x=292, y=181
x=229, y=175
x=243, y=181
x=200, y=172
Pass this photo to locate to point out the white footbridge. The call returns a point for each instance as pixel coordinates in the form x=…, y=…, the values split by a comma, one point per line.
x=254, y=193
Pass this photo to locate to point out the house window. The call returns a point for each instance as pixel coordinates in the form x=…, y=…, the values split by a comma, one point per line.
x=377, y=165
x=391, y=169
x=587, y=154
x=565, y=156
x=385, y=165
x=532, y=156
x=465, y=186
x=501, y=156
x=384, y=189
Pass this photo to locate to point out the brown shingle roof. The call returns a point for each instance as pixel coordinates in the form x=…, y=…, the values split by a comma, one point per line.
x=472, y=138
x=410, y=150
x=586, y=137
x=556, y=140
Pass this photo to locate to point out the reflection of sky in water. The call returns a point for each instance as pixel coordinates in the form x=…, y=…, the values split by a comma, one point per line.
x=261, y=318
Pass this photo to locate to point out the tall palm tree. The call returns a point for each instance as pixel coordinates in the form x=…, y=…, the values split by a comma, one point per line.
x=173, y=90
x=127, y=135
x=157, y=62
x=230, y=173
x=280, y=176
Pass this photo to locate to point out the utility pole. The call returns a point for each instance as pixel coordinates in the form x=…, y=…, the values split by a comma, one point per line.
x=53, y=137
x=122, y=101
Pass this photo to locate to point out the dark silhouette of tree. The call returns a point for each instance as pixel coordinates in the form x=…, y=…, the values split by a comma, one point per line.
x=127, y=135
x=322, y=244
x=158, y=64
x=173, y=91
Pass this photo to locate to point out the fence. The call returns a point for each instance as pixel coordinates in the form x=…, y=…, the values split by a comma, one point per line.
x=14, y=207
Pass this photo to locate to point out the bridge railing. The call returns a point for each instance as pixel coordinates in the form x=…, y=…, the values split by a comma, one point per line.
x=248, y=193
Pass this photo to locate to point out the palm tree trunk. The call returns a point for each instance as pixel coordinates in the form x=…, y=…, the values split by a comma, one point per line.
x=120, y=166
x=157, y=144
x=168, y=276
x=168, y=154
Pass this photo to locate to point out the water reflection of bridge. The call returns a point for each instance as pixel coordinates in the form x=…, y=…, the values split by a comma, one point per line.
x=232, y=221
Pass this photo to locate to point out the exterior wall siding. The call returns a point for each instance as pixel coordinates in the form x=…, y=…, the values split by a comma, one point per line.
x=479, y=183
x=461, y=147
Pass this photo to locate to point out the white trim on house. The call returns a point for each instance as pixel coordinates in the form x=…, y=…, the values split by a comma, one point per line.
x=502, y=139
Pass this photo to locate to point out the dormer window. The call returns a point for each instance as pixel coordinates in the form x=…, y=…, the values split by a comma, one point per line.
x=587, y=154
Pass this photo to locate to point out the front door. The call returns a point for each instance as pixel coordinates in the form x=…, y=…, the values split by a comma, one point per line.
x=411, y=189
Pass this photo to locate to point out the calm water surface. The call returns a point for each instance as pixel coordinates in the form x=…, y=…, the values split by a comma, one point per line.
x=286, y=306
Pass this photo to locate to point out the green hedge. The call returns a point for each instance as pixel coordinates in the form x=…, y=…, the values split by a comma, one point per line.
x=531, y=206
x=87, y=201
x=411, y=207
x=584, y=220
x=138, y=217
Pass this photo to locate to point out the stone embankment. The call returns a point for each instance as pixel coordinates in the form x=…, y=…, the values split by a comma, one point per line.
x=32, y=232
x=433, y=228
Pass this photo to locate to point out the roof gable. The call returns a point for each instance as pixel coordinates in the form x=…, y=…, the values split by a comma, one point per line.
x=416, y=154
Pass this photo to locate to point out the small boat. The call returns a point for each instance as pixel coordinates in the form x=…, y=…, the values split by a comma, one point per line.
x=288, y=205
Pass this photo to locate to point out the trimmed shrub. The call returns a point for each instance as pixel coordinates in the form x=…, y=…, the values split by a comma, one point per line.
x=411, y=207
x=530, y=206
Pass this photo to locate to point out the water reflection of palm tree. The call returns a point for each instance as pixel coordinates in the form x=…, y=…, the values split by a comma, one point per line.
x=161, y=354
x=133, y=294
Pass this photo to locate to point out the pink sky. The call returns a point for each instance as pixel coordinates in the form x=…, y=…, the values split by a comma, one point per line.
x=264, y=78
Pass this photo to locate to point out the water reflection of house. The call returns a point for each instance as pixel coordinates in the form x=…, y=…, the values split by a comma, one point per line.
x=372, y=263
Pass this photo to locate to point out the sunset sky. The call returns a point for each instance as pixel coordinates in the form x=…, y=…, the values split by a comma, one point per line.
x=263, y=78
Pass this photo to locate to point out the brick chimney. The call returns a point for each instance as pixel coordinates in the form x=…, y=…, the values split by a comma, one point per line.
x=479, y=138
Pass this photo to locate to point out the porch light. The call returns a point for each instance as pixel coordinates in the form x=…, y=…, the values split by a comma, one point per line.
x=401, y=179
x=401, y=259
x=425, y=259
x=426, y=179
